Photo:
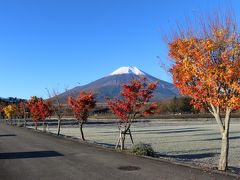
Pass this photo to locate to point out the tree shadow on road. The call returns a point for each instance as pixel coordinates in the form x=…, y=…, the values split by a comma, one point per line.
x=177, y=131
x=7, y=135
x=105, y=144
x=218, y=139
x=165, y=130
x=30, y=154
x=234, y=169
x=162, y=131
x=188, y=157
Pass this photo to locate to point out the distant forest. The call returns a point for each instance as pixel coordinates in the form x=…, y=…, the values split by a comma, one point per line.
x=11, y=100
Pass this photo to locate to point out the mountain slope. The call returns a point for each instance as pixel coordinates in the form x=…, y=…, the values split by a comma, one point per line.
x=110, y=85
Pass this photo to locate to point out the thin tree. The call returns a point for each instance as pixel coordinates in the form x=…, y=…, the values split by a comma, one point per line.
x=207, y=68
x=135, y=95
x=23, y=108
x=39, y=110
x=81, y=107
x=57, y=107
x=9, y=111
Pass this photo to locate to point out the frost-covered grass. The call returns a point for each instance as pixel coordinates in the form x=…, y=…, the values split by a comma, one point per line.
x=195, y=142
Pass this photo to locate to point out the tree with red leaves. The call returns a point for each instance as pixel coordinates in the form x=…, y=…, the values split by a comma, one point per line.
x=40, y=110
x=81, y=107
x=207, y=68
x=23, y=106
x=134, y=103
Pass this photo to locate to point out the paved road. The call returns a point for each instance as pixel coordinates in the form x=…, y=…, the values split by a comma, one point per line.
x=28, y=155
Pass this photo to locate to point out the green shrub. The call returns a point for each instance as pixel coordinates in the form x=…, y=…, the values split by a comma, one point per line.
x=142, y=149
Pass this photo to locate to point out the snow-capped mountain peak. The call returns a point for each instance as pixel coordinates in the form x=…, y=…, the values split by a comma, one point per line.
x=128, y=70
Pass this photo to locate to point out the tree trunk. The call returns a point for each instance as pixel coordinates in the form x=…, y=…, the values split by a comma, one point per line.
x=25, y=119
x=130, y=134
x=36, y=126
x=123, y=140
x=223, y=162
x=224, y=129
x=59, y=126
x=119, y=139
x=18, y=122
x=122, y=136
x=44, y=126
x=81, y=130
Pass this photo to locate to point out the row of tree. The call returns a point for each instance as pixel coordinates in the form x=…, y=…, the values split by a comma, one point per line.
x=135, y=103
x=206, y=68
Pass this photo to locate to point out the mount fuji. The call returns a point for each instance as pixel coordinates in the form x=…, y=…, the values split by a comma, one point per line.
x=110, y=85
x=128, y=70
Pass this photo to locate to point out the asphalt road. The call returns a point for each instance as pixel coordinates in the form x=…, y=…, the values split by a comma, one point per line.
x=29, y=155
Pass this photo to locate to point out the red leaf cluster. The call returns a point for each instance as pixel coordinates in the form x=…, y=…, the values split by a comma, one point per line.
x=135, y=96
x=82, y=105
x=39, y=109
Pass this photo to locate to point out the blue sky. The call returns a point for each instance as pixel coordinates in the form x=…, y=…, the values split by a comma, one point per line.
x=65, y=43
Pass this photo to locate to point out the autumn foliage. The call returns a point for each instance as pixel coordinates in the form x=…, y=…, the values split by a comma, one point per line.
x=207, y=68
x=23, y=106
x=206, y=74
x=136, y=96
x=39, y=109
x=81, y=107
x=9, y=110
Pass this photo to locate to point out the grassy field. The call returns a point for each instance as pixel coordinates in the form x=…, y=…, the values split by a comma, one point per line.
x=194, y=142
